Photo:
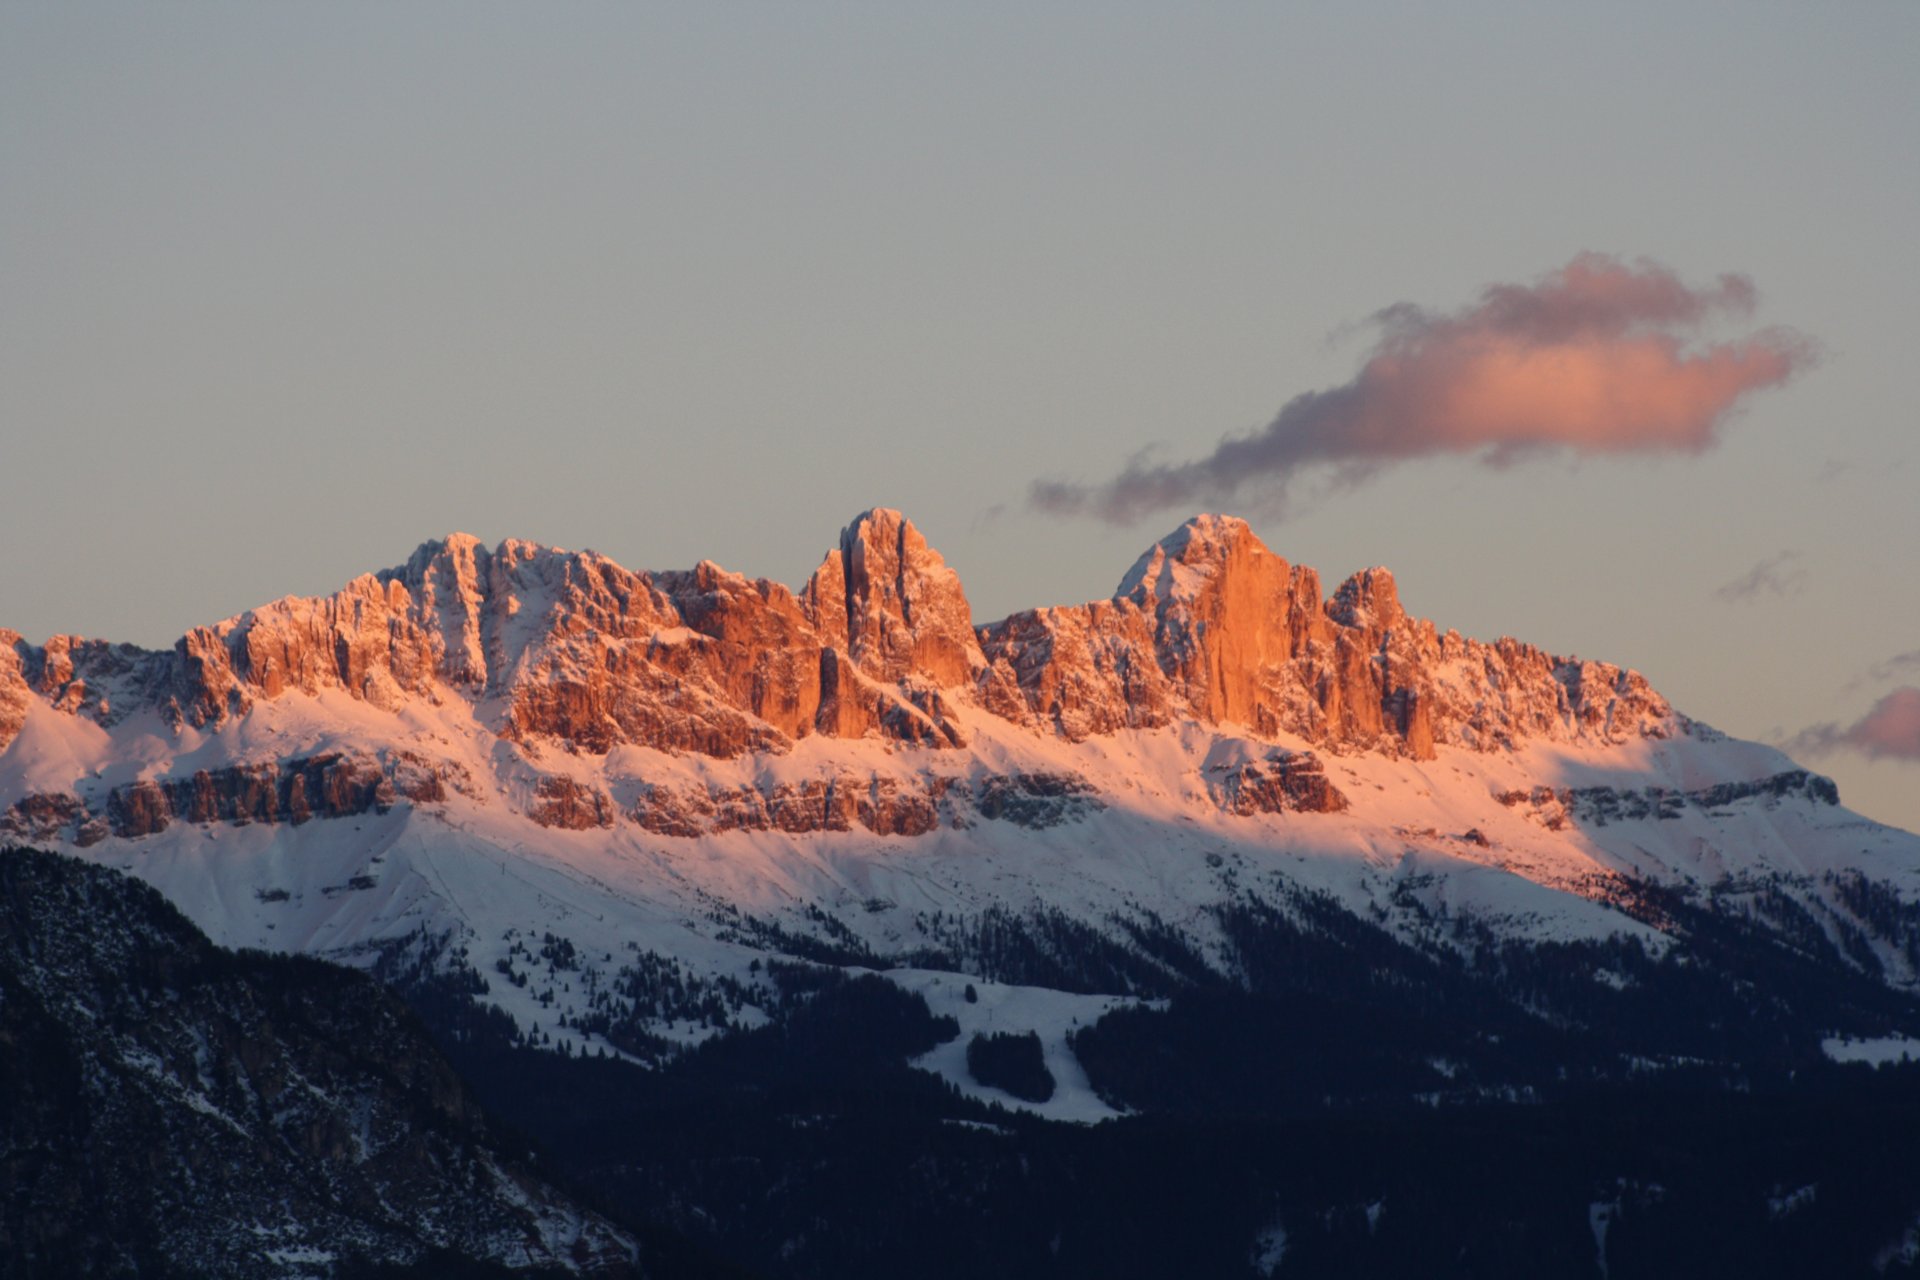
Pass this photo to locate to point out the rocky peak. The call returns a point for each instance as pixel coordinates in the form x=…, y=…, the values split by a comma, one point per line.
x=1189, y=561
x=1368, y=600
x=824, y=599
x=452, y=552
x=450, y=579
x=1225, y=611
x=905, y=611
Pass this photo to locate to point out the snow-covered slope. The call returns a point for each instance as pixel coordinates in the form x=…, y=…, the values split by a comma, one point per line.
x=574, y=779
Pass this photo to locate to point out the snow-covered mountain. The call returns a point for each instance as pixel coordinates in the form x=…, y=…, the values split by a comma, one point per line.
x=614, y=794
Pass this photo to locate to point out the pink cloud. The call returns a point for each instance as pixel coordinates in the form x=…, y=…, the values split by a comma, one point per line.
x=1594, y=358
x=1890, y=731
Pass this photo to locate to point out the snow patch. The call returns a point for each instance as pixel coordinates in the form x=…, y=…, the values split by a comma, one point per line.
x=1270, y=1248
x=997, y=1007
x=1877, y=1051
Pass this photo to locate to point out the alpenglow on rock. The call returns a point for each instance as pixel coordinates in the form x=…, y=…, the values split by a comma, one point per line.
x=569, y=647
x=1210, y=625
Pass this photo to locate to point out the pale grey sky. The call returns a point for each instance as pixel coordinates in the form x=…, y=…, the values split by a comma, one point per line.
x=286, y=290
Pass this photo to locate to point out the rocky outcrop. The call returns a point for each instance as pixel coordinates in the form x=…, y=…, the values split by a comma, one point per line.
x=104, y=682
x=886, y=806
x=883, y=805
x=559, y=801
x=1281, y=782
x=140, y=809
x=330, y=785
x=15, y=694
x=892, y=807
x=43, y=817
x=1037, y=800
x=327, y=785
x=1552, y=807
x=1769, y=790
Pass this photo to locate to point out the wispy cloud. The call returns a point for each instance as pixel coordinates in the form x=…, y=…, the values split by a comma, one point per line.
x=1890, y=731
x=1779, y=575
x=1593, y=358
x=1897, y=665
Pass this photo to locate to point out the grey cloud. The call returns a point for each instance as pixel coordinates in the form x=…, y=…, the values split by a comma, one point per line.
x=1779, y=575
x=1896, y=665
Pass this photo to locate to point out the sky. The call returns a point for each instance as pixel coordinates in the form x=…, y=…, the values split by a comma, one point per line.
x=285, y=291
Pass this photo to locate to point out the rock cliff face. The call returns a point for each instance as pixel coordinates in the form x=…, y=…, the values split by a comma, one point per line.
x=572, y=647
x=1284, y=781
x=562, y=802
x=1211, y=625
x=75, y=675
x=15, y=694
x=906, y=614
x=296, y=790
x=557, y=649
x=883, y=805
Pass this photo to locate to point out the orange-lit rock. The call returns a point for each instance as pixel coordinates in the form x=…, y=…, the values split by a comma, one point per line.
x=554, y=649
x=1211, y=625
x=15, y=694
x=559, y=801
x=907, y=614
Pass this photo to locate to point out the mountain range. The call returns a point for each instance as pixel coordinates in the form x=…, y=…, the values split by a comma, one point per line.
x=585, y=813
